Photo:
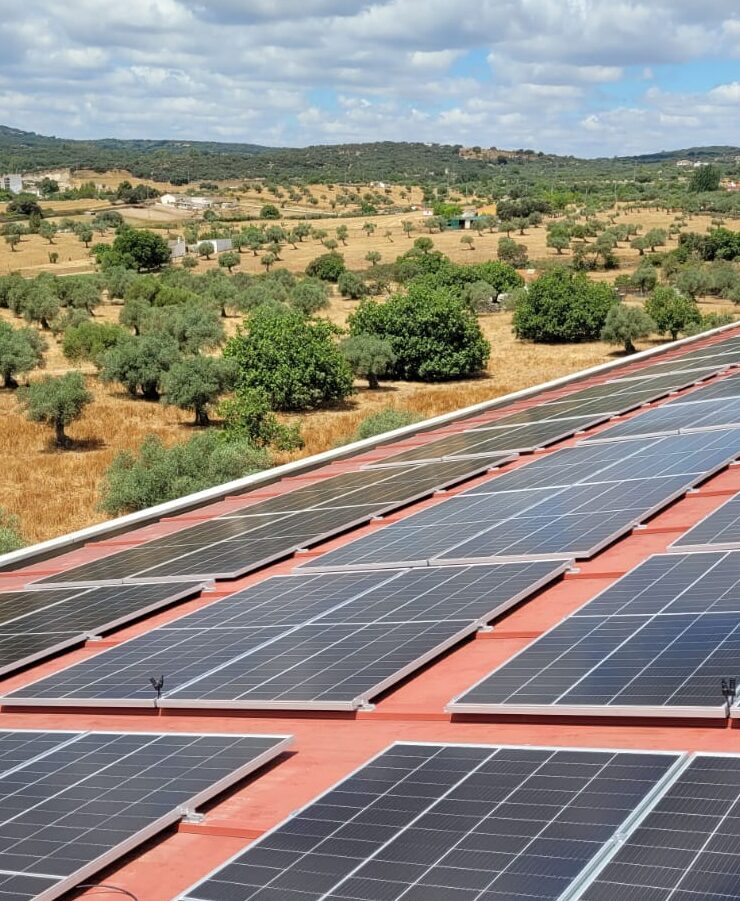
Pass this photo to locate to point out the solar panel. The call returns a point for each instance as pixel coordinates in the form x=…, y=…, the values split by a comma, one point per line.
x=658, y=642
x=727, y=387
x=720, y=529
x=355, y=635
x=85, y=799
x=37, y=623
x=423, y=822
x=685, y=849
x=703, y=414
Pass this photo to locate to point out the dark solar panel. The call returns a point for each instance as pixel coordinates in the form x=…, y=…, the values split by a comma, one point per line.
x=721, y=529
x=722, y=388
x=330, y=640
x=34, y=624
x=661, y=639
x=703, y=414
x=447, y=823
x=91, y=797
x=686, y=848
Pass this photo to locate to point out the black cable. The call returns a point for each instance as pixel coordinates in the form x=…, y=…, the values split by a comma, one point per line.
x=112, y=888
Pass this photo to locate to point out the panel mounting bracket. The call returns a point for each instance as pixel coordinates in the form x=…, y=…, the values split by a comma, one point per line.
x=192, y=816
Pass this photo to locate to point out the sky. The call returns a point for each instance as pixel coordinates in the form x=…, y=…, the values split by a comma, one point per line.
x=583, y=77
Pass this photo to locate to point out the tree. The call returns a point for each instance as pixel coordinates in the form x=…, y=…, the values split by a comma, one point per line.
x=228, y=260
x=368, y=228
x=373, y=257
x=12, y=240
x=194, y=325
x=705, y=178
x=295, y=360
x=385, y=420
x=671, y=311
x=369, y=357
x=433, y=335
x=656, y=237
x=136, y=249
x=644, y=278
x=158, y=473
x=625, y=324
x=89, y=340
x=189, y=262
x=47, y=230
x=408, y=226
x=342, y=233
x=85, y=234
x=563, y=306
x=11, y=538
x=139, y=363
x=352, y=285
x=558, y=237
x=509, y=251
x=424, y=245
x=248, y=416
x=21, y=350
x=196, y=382
x=268, y=259
x=309, y=296
x=269, y=211
x=41, y=304
x=80, y=292
x=328, y=267
x=56, y=401
x=206, y=249
x=468, y=241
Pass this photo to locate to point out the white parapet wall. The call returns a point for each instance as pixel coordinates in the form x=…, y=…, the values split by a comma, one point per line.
x=54, y=546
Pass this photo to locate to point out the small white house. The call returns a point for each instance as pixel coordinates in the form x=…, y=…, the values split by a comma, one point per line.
x=12, y=183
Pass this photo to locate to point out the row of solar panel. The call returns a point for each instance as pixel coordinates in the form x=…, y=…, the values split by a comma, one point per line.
x=327, y=641
x=254, y=534
x=431, y=822
x=422, y=822
x=570, y=503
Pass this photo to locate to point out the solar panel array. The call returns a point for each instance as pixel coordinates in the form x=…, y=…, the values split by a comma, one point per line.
x=424, y=822
x=73, y=802
x=568, y=504
x=35, y=623
x=660, y=641
x=720, y=529
x=328, y=641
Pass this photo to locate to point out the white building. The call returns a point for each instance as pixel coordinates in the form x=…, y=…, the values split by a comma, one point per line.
x=219, y=244
x=189, y=202
x=12, y=183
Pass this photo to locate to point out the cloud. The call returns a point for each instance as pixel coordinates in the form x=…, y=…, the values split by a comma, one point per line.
x=572, y=76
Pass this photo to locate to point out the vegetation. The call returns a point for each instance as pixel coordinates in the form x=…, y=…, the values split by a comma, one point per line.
x=10, y=532
x=369, y=356
x=385, y=420
x=197, y=382
x=158, y=474
x=672, y=312
x=625, y=324
x=56, y=401
x=21, y=350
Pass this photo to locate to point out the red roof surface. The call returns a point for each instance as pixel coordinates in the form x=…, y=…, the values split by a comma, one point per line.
x=329, y=746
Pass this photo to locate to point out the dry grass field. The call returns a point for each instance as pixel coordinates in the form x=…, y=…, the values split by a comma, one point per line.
x=54, y=492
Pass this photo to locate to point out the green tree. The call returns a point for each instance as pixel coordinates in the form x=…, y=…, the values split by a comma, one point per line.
x=56, y=401
x=194, y=325
x=373, y=257
x=158, y=474
x=705, y=178
x=139, y=363
x=672, y=312
x=328, y=267
x=269, y=211
x=41, y=304
x=189, y=262
x=11, y=538
x=433, y=335
x=309, y=296
x=12, y=239
x=626, y=324
x=47, y=230
x=268, y=260
x=509, y=251
x=206, y=249
x=408, y=227
x=468, y=241
x=558, y=237
x=85, y=234
x=424, y=245
x=136, y=249
x=368, y=228
x=248, y=416
x=228, y=260
x=644, y=278
x=342, y=233
x=88, y=340
x=196, y=382
x=563, y=306
x=369, y=357
x=656, y=237
x=352, y=285
x=295, y=360
x=21, y=350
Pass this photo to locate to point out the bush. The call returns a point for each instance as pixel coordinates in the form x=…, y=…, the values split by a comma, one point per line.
x=56, y=402
x=88, y=340
x=433, y=335
x=247, y=416
x=672, y=312
x=10, y=532
x=352, y=285
x=385, y=420
x=328, y=267
x=625, y=324
x=196, y=382
x=21, y=350
x=369, y=357
x=563, y=306
x=293, y=359
x=269, y=211
x=709, y=321
x=158, y=473
x=309, y=296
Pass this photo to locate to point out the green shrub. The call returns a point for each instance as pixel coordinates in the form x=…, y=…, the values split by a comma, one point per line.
x=328, y=267
x=385, y=420
x=11, y=538
x=672, y=312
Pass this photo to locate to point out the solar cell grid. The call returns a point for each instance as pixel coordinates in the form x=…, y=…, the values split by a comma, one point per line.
x=722, y=388
x=326, y=640
x=702, y=414
x=720, y=529
x=660, y=640
x=90, y=797
x=435, y=823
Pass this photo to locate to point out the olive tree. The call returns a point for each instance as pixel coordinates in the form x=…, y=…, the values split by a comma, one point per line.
x=56, y=401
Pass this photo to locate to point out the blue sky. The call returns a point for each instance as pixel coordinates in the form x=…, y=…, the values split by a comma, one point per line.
x=587, y=77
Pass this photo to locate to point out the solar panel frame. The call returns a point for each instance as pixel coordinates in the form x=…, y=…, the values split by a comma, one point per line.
x=64, y=640
x=63, y=884
x=412, y=813
x=703, y=536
